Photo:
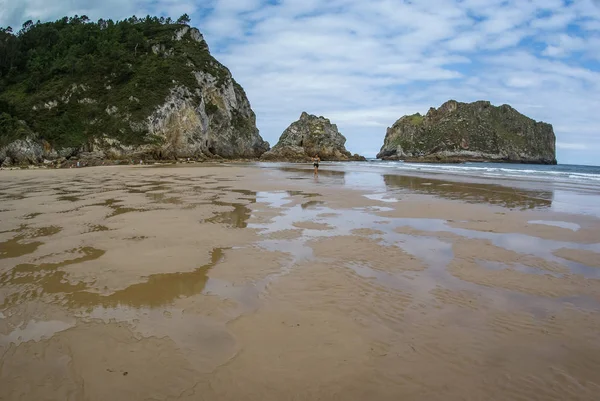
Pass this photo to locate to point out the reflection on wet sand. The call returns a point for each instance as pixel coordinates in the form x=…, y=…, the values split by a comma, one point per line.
x=16, y=246
x=238, y=217
x=472, y=192
x=270, y=288
x=334, y=176
x=45, y=277
x=118, y=209
x=468, y=192
x=158, y=290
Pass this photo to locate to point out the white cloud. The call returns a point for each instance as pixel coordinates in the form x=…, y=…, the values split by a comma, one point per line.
x=556, y=21
x=563, y=45
x=571, y=146
x=365, y=64
x=14, y=13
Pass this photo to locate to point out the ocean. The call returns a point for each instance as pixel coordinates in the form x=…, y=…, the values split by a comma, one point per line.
x=559, y=188
x=561, y=173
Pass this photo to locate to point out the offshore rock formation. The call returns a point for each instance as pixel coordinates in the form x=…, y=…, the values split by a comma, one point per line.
x=461, y=132
x=308, y=136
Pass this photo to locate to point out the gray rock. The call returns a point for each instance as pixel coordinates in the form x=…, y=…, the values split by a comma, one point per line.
x=308, y=136
x=7, y=162
x=66, y=152
x=198, y=37
x=479, y=131
x=50, y=154
x=23, y=151
x=98, y=155
x=181, y=33
x=221, y=124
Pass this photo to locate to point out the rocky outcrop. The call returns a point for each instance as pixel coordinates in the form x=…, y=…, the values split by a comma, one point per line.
x=20, y=152
x=207, y=121
x=460, y=132
x=307, y=137
x=205, y=114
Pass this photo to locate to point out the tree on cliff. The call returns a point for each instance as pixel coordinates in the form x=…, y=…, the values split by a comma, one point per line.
x=184, y=19
x=54, y=75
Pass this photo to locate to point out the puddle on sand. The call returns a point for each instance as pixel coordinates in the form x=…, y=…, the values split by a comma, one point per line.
x=381, y=198
x=243, y=192
x=14, y=247
x=435, y=252
x=137, y=238
x=561, y=224
x=236, y=218
x=493, y=194
x=471, y=192
x=490, y=265
x=114, y=204
x=122, y=210
x=97, y=228
x=69, y=198
x=46, y=278
x=12, y=197
x=303, y=194
x=163, y=198
x=31, y=216
x=15, y=275
x=311, y=204
x=239, y=216
x=274, y=199
x=158, y=290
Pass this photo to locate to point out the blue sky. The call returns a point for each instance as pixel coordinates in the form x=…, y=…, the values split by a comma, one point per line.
x=364, y=64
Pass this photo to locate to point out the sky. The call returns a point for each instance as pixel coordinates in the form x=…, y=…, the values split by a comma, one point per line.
x=365, y=63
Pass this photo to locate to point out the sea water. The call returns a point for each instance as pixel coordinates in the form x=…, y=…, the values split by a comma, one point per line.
x=563, y=173
x=561, y=188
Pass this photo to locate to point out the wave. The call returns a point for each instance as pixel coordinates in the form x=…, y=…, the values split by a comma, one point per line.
x=557, y=173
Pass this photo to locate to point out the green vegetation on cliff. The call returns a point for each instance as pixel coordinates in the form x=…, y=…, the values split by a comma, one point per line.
x=72, y=80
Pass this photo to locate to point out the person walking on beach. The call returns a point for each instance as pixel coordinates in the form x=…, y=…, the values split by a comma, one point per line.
x=316, y=161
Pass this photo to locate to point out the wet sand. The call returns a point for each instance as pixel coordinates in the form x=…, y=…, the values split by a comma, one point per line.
x=262, y=283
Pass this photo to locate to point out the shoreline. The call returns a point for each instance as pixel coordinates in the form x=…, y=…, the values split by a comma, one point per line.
x=461, y=160
x=107, y=162
x=230, y=280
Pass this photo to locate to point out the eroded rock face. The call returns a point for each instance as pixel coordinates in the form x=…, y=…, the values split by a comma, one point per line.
x=211, y=121
x=205, y=115
x=479, y=131
x=21, y=152
x=307, y=137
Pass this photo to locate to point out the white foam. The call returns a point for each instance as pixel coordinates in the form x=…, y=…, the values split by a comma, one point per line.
x=497, y=171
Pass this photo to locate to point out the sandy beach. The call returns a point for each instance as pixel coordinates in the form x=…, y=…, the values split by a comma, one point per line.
x=261, y=282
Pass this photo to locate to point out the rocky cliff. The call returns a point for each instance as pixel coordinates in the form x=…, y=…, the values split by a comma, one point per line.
x=141, y=88
x=479, y=131
x=308, y=136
